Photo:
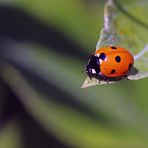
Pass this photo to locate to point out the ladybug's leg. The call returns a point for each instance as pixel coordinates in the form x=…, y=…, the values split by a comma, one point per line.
x=107, y=80
x=101, y=77
x=126, y=77
x=104, y=78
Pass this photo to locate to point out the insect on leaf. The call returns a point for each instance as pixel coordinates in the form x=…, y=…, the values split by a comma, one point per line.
x=125, y=27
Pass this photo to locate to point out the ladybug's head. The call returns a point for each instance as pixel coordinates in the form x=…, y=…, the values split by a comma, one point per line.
x=93, y=66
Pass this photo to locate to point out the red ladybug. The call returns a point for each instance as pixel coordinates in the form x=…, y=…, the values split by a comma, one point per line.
x=110, y=62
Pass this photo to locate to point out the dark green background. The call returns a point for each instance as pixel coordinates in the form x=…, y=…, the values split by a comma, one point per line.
x=44, y=46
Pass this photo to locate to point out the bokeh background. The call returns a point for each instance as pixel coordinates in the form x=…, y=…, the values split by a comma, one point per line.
x=44, y=46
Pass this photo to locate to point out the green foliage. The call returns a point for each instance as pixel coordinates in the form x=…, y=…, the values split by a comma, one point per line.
x=10, y=136
x=114, y=115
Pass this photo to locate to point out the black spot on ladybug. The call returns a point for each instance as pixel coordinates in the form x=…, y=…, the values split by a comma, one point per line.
x=113, y=71
x=102, y=56
x=113, y=47
x=129, y=66
x=118, y=59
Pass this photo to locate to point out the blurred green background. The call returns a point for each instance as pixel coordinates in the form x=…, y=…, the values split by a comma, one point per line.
x=44, y=46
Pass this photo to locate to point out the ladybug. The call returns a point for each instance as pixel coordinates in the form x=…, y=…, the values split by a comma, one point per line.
x=110, y=62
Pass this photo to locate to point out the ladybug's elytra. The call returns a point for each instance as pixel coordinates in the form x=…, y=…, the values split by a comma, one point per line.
x=110, y=62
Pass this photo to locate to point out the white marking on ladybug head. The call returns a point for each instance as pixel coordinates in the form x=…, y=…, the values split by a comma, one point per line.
x=93, y=71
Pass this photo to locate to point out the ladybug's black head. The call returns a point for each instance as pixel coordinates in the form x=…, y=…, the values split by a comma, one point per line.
x=93, y=66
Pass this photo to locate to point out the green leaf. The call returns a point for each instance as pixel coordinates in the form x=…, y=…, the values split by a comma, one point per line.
x=10, y=136
x=71, y=126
